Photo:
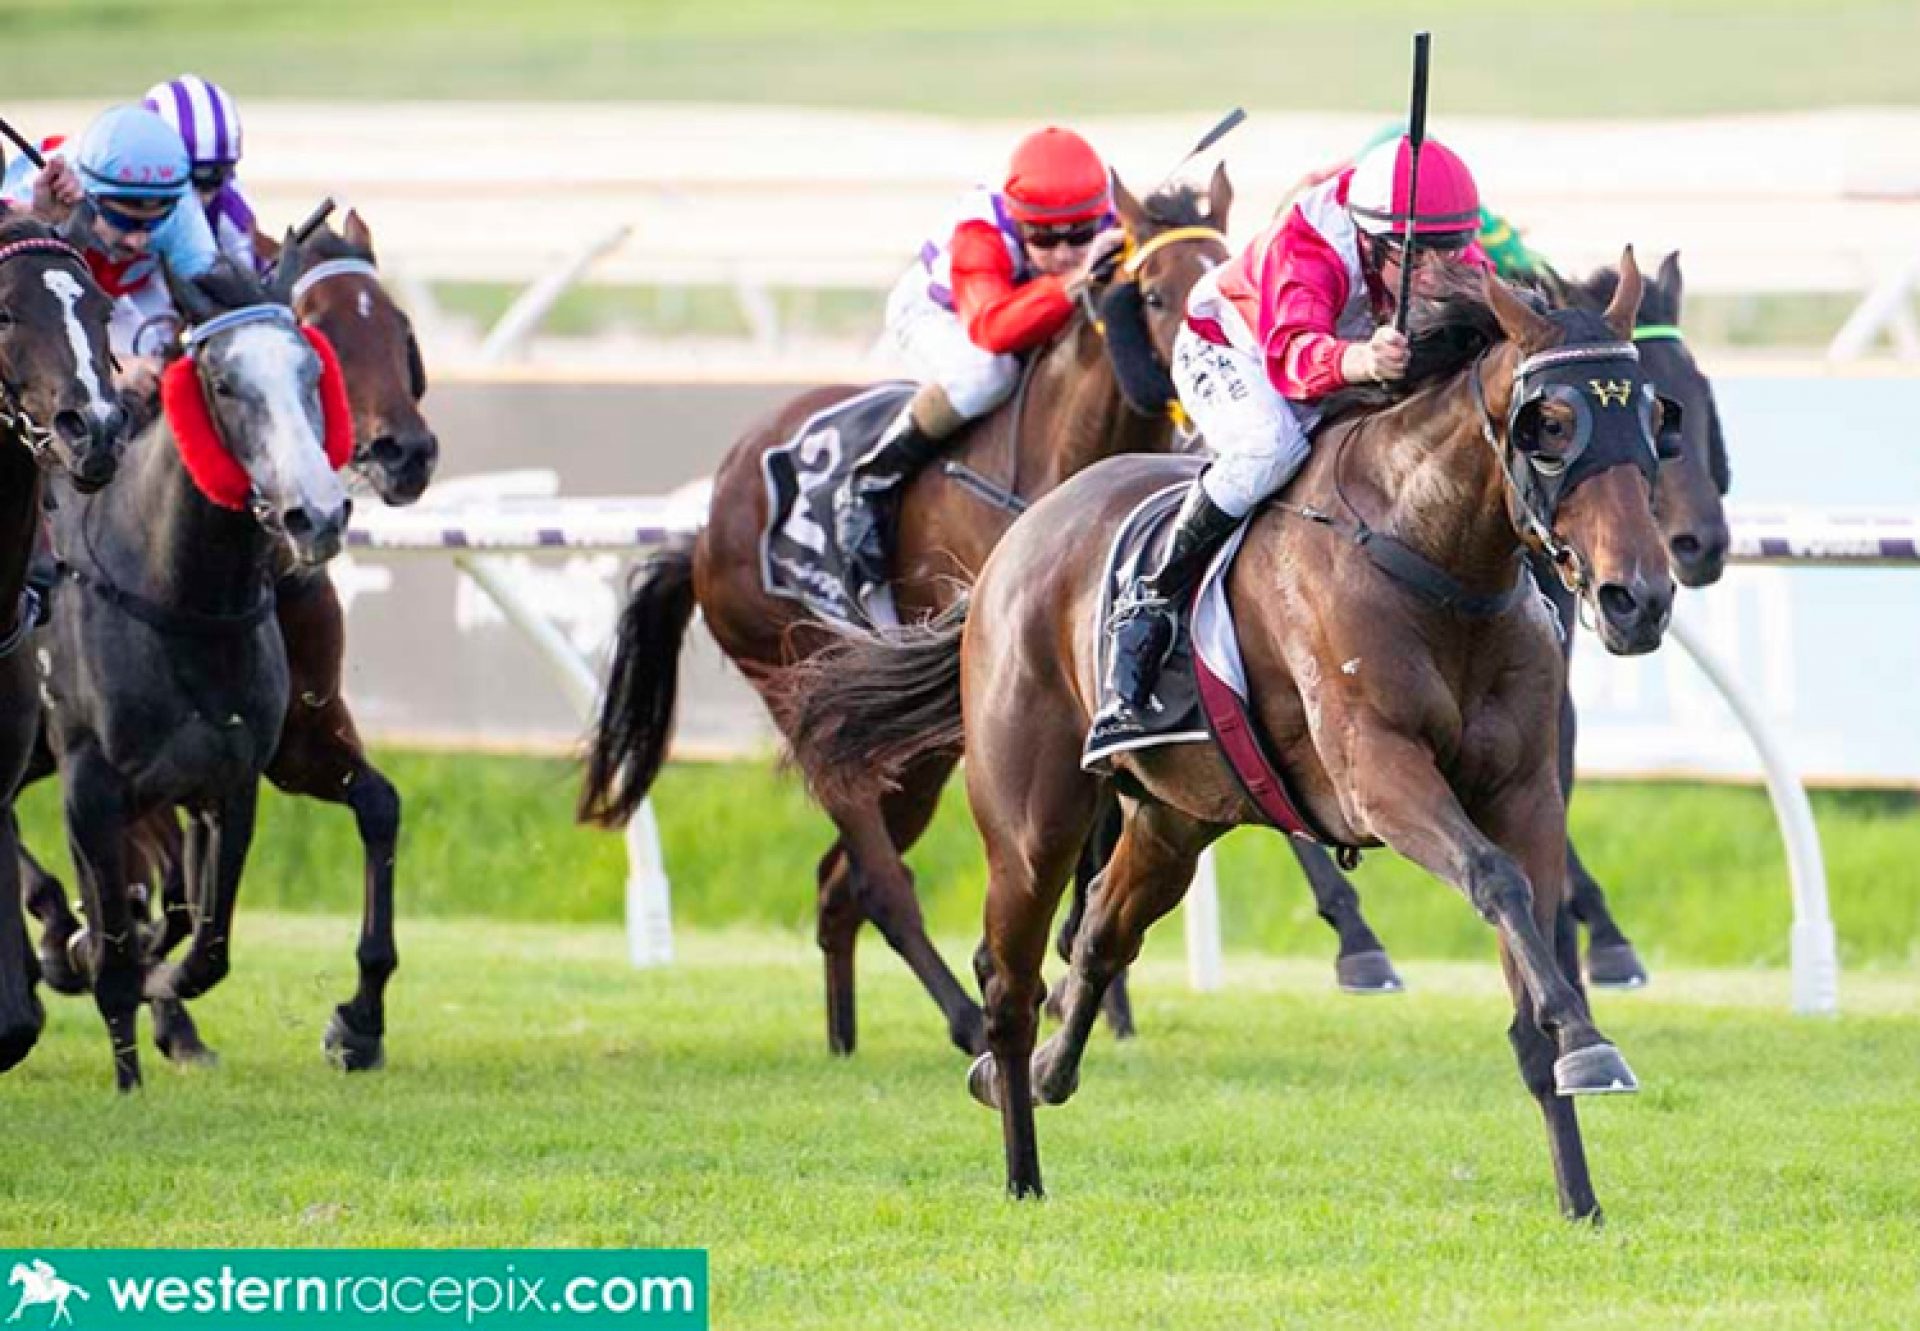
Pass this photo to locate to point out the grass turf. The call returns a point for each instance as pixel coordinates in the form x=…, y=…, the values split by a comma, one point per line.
x=1696, y=873
x=1007, y=57
x=1274, y=1155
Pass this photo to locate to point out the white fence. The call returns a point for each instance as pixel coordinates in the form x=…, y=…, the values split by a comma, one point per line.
x=472, y=520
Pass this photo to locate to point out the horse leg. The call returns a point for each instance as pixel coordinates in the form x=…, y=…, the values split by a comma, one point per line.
x=837, y=921
x=47, y=902
x=97, y=821
x=883, y=888
x=1611, y=960
x=1117, y=1006
x=174, y=1031
x=228, y=827
x=1362, y=965
x=21, y=1015
x=1408, y=804
x=1149, y=872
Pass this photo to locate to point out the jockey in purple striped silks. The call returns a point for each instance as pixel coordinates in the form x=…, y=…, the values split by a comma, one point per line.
x=209, y=124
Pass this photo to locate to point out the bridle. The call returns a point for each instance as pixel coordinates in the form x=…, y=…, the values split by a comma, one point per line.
x=14, y=416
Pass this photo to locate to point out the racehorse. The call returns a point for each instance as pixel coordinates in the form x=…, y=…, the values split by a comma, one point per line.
x=1409, y=696
x=1693, y=481
x=40, y=1284
x=337, y=291
x=1074, y=410
x=58, y=412
x=166, y=684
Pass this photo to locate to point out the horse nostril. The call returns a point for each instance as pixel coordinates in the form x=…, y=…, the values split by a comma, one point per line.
x=1617, y=601
x=385, y=450
x=71, y=426
x=1687, y=546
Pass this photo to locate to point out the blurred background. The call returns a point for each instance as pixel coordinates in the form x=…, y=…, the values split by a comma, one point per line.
x=626, y=229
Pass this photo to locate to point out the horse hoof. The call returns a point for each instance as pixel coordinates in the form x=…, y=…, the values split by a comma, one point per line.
x=188, y=1053
x=983, y=1081
x=1056, y=1005
x=1615, y=966
x=1052, y=1090
x=58, y=970
x=349, y=1051
x=968, y=1031
x=1368, y=973
x=1596, y=1070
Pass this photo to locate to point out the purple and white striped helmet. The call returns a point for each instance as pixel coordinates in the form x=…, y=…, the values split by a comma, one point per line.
x=208, y=121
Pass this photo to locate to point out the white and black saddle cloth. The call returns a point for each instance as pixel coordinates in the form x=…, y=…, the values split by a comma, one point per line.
x=799, y=558
x=1202, y=695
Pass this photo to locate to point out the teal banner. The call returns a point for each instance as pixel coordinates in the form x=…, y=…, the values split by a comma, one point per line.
x=504, y=1288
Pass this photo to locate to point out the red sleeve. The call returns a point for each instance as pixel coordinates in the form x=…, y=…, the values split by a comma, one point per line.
x=999, y=315
x=1303, y=287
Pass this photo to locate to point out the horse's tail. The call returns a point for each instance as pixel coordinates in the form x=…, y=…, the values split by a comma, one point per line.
x=862, y=711
x=630, y=736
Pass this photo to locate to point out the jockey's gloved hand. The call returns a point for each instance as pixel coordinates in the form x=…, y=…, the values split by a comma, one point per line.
x=1104, y=255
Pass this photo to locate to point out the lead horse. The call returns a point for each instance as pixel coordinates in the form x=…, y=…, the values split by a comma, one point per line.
x=1072, y=412
x=1395, y=716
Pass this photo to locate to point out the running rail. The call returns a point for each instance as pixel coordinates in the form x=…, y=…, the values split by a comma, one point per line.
x=520, y=516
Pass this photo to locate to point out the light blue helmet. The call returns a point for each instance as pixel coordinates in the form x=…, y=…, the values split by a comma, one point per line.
x=129, y=152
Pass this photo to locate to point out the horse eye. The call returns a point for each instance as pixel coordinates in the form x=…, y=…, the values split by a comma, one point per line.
x=222, y=388
x=6, y=320
x=1154, y=300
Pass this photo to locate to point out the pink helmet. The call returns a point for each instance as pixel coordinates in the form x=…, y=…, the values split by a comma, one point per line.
x=1449, y=203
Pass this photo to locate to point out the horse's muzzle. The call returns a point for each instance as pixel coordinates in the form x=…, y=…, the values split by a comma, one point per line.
x=1633, y=614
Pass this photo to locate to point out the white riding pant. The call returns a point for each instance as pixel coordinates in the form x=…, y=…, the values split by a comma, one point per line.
x=1258, y=439
x=138, y=325
x=938, y=350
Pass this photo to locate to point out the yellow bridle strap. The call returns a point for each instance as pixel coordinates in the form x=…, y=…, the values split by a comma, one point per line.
x=1177, y=236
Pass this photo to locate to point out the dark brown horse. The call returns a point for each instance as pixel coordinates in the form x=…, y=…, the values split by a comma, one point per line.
x=1071, y=414
x=58, y=412
x=320, y=754
x=1693, y=481
x=1395, y=718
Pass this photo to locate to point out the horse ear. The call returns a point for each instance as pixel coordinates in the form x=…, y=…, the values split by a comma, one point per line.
x=1669, y=281
x=1524, y=326
x=1132, y=215
x=188, y=298
x=1624, y=308
x=1219, y=196
x=356, y=232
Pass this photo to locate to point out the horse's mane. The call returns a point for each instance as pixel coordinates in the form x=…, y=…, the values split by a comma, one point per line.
x=17, y=224
x=1448, y=326
x=1179, y=203
x=326, y=243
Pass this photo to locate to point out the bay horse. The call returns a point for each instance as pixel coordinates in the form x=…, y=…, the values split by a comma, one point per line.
x=58, y=413
x=321, y=756
x=1688, y=504
x=1396, y=718
x=1073, y=411
x=165, y=680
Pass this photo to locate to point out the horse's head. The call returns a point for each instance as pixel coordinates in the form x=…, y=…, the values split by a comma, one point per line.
x=1175, y=237
x=1693, y=453
x=339, y=292
x=265, y=384
x=1574, y=419
x=56, y=377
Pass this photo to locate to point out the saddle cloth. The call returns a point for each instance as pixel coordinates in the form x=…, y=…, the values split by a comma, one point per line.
x=799, y=558
x=1202, y=693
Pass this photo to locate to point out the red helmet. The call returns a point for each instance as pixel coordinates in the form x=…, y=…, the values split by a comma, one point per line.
x=1056, y=178
x=1449, y=202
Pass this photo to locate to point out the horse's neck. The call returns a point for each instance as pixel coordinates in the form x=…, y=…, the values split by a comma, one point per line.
x=165, y=539
x=19, y=522
x=1075, y=416
x=1429, y=479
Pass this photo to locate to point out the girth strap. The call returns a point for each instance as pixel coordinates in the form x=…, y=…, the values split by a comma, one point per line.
x=1413, y=570
x=168, y=619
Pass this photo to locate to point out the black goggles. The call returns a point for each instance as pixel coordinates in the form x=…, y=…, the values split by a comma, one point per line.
x=1053, y=237
x=114, y=216
x=212, y=175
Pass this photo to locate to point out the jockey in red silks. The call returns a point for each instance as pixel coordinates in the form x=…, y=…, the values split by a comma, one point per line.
x=1304, y=310
x=1000, y=281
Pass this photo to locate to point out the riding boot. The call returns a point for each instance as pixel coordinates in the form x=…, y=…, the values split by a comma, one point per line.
x=862, y=510
x=1143, y=621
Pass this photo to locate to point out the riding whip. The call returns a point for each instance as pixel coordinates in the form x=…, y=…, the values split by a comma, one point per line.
x=1228, y=123
x=31, y=153
x=1416, y=135
x=321, y=212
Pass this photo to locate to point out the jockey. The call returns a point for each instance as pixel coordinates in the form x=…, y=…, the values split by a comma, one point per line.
x=208, y=122
x=1001, y=281
x=1303, y=311
x=133, y=169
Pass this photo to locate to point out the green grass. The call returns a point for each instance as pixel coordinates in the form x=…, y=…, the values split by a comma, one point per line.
x=1276, y=1155
x=1696, y=873
x=1011, y=57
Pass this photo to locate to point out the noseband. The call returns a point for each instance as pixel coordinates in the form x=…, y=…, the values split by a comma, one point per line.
x=14, y=417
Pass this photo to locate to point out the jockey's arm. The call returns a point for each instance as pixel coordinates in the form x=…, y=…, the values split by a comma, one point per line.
x=184, y=242
x=1303, y=289
x=999, y=315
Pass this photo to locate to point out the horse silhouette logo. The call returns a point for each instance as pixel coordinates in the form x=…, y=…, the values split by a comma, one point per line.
x=40, y=1283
